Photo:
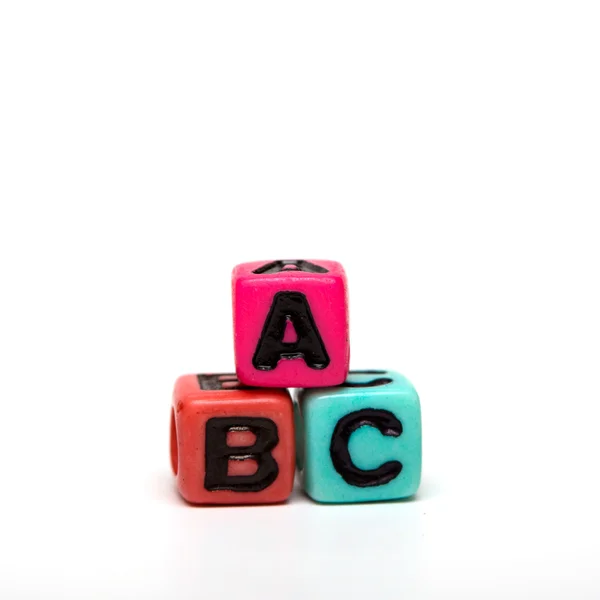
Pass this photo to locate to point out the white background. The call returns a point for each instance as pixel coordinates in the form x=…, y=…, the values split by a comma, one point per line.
x=447, y=154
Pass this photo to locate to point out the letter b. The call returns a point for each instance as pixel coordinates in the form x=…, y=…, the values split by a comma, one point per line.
x=231, y=444
x=218, y=454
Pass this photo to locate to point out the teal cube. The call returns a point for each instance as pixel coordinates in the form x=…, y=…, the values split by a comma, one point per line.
x=361, y=441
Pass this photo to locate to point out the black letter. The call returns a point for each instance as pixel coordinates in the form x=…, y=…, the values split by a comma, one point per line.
x=218, y=454
x=387, y=424
x=289, y=265
x=271, y=348
x=372, y=382
x=220, y=381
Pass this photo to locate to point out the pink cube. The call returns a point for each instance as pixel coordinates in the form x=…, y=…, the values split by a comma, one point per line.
x=290, y=321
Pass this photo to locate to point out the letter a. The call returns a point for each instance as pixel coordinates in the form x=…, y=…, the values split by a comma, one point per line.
x=292, y=307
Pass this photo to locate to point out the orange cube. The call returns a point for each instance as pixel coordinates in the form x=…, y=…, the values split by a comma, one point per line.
x=231, y=444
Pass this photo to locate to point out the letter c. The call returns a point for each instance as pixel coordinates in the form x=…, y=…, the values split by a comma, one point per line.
x=387, y=424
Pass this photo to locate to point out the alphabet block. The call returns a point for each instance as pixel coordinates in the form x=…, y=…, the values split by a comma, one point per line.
x=290, y=322
x=361, y=441
x=231, y=444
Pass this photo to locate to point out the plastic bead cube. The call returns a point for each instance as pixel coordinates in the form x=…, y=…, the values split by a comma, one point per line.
x=361, y=441
x=231, y=444
x=290, y=322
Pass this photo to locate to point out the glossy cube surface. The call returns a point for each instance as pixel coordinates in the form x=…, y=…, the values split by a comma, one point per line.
x=290, y=322
x=231, y=444
x=360, y=442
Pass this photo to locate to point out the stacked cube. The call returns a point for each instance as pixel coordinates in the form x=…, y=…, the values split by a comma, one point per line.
x=237, y=439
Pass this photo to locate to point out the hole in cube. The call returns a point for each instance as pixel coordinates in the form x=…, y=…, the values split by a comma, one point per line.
x=174, y=444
